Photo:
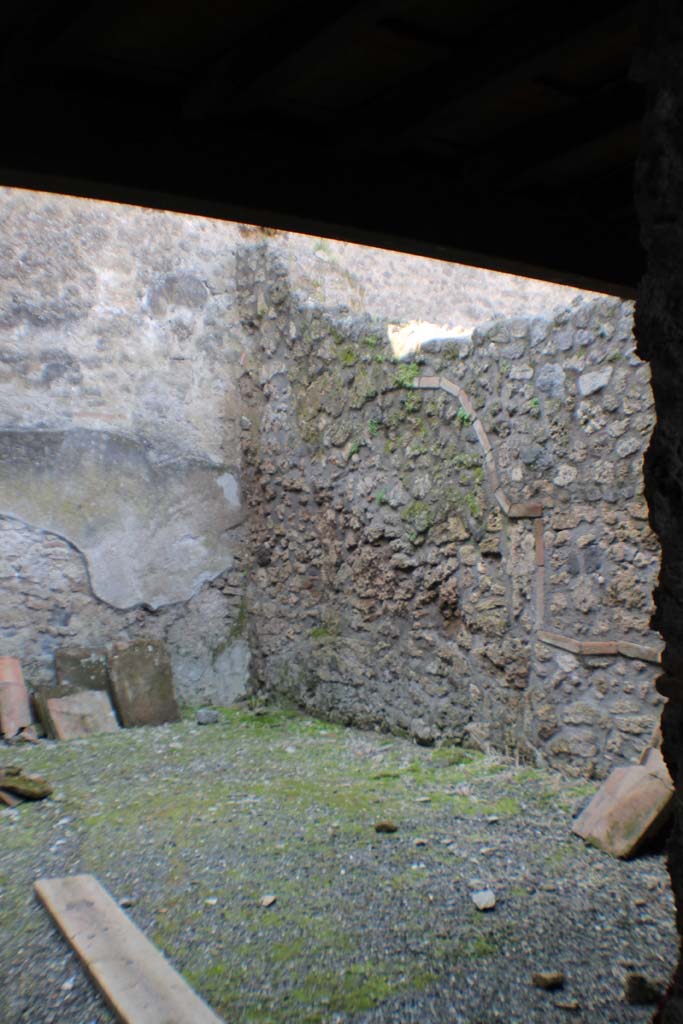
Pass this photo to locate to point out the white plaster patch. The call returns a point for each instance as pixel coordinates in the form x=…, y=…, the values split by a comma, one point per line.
x=230, y=488
x=417, y=334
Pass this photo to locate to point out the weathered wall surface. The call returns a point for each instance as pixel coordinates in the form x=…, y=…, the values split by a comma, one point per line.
x=122, y=349
x=119, y=434
x=391, y=586
x=193, y=448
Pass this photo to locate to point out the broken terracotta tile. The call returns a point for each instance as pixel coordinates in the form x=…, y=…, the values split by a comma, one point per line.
x=656, y=765
x=630, y=808
x=565, y=643
x=598, y=647
x=15, y=709
x=640, y=652
x=86, y=713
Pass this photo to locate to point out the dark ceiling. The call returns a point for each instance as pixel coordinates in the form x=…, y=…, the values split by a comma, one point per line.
x=492, y=132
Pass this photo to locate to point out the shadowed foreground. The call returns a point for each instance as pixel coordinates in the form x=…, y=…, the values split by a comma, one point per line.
x=194, y=826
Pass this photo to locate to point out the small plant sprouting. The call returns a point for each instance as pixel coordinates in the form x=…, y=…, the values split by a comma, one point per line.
x=373, y=427
x=354, y=448
x=348, y=356
x=324, y=632
x=381, y=497
x=473, y=505
x=535, y=403
x=406, y=375
x=463, y=417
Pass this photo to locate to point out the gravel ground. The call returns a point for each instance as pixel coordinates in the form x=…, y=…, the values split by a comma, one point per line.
x=195, y=825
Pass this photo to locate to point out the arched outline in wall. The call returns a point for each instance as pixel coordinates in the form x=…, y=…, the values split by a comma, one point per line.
x=534, y=510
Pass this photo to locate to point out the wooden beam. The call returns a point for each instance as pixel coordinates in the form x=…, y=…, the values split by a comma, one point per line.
x=268, y=53
x=544, y=140
x=616, y=146
x=137, y=981
x=43, y=23
x=525, y=42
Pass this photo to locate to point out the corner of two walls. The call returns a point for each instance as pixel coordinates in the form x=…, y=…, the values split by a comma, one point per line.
x=455, y=547
x=192, y=452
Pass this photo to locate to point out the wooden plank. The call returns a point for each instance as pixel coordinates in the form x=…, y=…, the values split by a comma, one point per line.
x=137, y=981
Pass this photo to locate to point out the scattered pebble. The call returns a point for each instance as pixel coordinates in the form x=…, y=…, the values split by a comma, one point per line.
x=127, y=901
x=549, y=980
x=211, y=901
x=268, y=900
x=484, y=899
x=420, y=842
x=385, y=826
x=207, y=716
x=567, y=1004
x=640, y=991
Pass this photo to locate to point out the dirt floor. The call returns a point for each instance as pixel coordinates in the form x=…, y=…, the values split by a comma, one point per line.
x=192, y=826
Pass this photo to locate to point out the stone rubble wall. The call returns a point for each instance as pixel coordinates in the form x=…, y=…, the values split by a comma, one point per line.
x=394, y=587
x=121, y=389
x=195, y=446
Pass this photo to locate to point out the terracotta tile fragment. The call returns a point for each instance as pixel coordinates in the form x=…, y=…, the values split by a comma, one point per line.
x=599, y=647
x=630, y=808
x=15, y=709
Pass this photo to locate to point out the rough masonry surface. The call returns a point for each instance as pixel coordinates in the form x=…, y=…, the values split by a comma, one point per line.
x=199, y=447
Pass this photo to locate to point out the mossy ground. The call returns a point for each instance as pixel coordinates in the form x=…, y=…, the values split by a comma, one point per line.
x=197, y=824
